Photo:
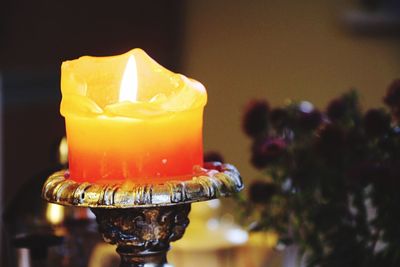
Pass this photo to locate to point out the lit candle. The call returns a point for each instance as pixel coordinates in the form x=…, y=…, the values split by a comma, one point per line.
x=129, y=118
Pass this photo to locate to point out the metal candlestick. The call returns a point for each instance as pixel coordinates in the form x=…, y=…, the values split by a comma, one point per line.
x=142, y=219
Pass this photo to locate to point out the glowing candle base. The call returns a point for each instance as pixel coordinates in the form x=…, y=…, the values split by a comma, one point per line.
x=142, y=219
x=169, y=150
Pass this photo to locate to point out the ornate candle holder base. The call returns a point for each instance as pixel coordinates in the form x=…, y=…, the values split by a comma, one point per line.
x=142, y=235
x=143, y=219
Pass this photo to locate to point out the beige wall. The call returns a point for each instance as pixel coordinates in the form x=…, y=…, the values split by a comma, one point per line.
x=277, y=49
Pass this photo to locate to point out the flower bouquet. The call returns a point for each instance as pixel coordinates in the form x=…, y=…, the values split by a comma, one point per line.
x=331, y=179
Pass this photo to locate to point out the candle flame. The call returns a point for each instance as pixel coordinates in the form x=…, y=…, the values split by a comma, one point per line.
x=129, y=83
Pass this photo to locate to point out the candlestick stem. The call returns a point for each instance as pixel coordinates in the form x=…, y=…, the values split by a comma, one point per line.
x=142, y=235
x=131, y=258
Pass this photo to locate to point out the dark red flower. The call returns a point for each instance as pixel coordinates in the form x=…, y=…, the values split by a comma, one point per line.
x=356, y=143
x=392, y=98
x=261, y=192
x=376, y=122
x=336, y=109
x=267, y=151
x=310, y=120
x=279, y=118
x=212, y=156
x=344, y=108
x=330, y=141
x=255, y=119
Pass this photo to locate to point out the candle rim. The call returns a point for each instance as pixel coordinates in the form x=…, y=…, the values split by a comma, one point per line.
x=75, y=99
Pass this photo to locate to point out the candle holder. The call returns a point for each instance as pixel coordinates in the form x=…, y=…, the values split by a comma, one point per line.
x=142, y=219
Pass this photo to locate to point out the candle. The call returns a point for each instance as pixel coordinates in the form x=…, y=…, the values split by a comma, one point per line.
x=129, y=118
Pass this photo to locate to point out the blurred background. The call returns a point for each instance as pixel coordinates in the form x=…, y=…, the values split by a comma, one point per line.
x=240, y=50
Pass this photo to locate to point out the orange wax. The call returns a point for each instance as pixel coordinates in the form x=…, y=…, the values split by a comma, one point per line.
x=128, y=118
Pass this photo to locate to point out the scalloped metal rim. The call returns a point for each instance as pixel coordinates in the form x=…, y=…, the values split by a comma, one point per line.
x=216, y=180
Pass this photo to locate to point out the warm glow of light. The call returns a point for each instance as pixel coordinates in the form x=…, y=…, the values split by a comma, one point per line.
x=63, y=151
x=237, y=236
x=55, y=213
x=265, y=239
x=129, y=83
